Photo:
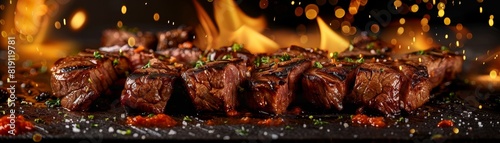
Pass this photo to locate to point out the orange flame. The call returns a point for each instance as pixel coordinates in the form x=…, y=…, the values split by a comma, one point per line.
x=233, y=26
x=330, y=40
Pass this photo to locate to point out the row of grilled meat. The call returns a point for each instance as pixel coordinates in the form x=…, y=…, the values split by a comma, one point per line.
x=231, y=78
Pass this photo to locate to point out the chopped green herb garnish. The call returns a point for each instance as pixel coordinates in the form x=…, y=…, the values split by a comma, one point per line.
x=95, y=125
x=318, y=65
x=106, y=119
x=347, y=59
x=319, y=122
x=148, y=65
x=120, y=53
x=77, y=126
x=444, y=48
x=452, y=94
x=237, y=47
x=284, y=57
x=340, y=117
x=161, y=57
x=151, y=115
x=60, y=113
x=381, y=70
x=199, y=64
x=421, y=52
x=241, y=132
x=114, y=119
x=227, y=57
x=401, y=119
x=351, y=47
x=264, y=59
x=38, y=120
x=116, y=62
x=311, y=116
x=128, y=132
x=187, y=118
x=65, y=115
x=3, y=112
x=370, y=45
x=91, y=117
x=225, y=122
x=360, y=60
x=98, y=55
x=287, y=127
x=51, y=103
x=335, y=55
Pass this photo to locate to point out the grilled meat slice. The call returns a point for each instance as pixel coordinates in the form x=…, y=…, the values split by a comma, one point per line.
x=177, y=38
x=214, y=86
x=419, y=86
x=121, y=64
x=79, y=80
x=368, y=46
x=441, y=65
x=273, y=88
x=325, y=87
x=379, y=87
x=148, y=89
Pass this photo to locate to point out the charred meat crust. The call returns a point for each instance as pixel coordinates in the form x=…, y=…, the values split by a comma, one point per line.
x=79, y=80
x=274, y=88
x=149, y=89
x=214, y=86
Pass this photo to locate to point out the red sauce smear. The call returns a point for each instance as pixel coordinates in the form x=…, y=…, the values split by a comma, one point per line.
x=361, y=119
x=159, y=120
x=271, y=122
x=20, y=125
x=445, y=123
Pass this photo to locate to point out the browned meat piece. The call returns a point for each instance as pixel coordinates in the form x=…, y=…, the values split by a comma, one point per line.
x=119, y=37
x=187, y=56
x=121, y=64
x=326, y=86
x=177, y=38
x=419, y=86
x=234, y=51
x=148, y=89
x=379, y=87
x=79, y=80
x=214, y=86
x=308, y=53
x=368, y=46
x=440, y=64
x=274, y=85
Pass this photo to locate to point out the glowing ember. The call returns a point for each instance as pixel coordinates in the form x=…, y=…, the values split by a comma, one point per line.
x=78, y=19
x=493, y=74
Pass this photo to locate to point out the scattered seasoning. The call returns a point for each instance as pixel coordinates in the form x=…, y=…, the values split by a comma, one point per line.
x=361, y=119
x=51, y=103
x=21, y=126
x=287, y=127
x=241, y=132
x=77, y=126
x=65, y=115
x=319, y=122
x=98, y=55
x=116, y=62
x=227, y=57
x=351, y=47
x=412, y=131
x=318, y=65
x=199, y=64
x=340, y=117
x=106, y=119
x=148, y=65
x=95, y=125
x=39, y=121
x=347, y=59
x=91, y=117
x=401, y=119
x=42, y=96
x=159, y=120
x=335, y=55
x=59, y=113
x=237, y=47
x=444, y=48
x=445, y=123
x=381, y=70
x=186, y=118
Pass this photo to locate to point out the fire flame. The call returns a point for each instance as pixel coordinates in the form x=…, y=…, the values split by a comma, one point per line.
x=233, y=26
x=330, y=40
